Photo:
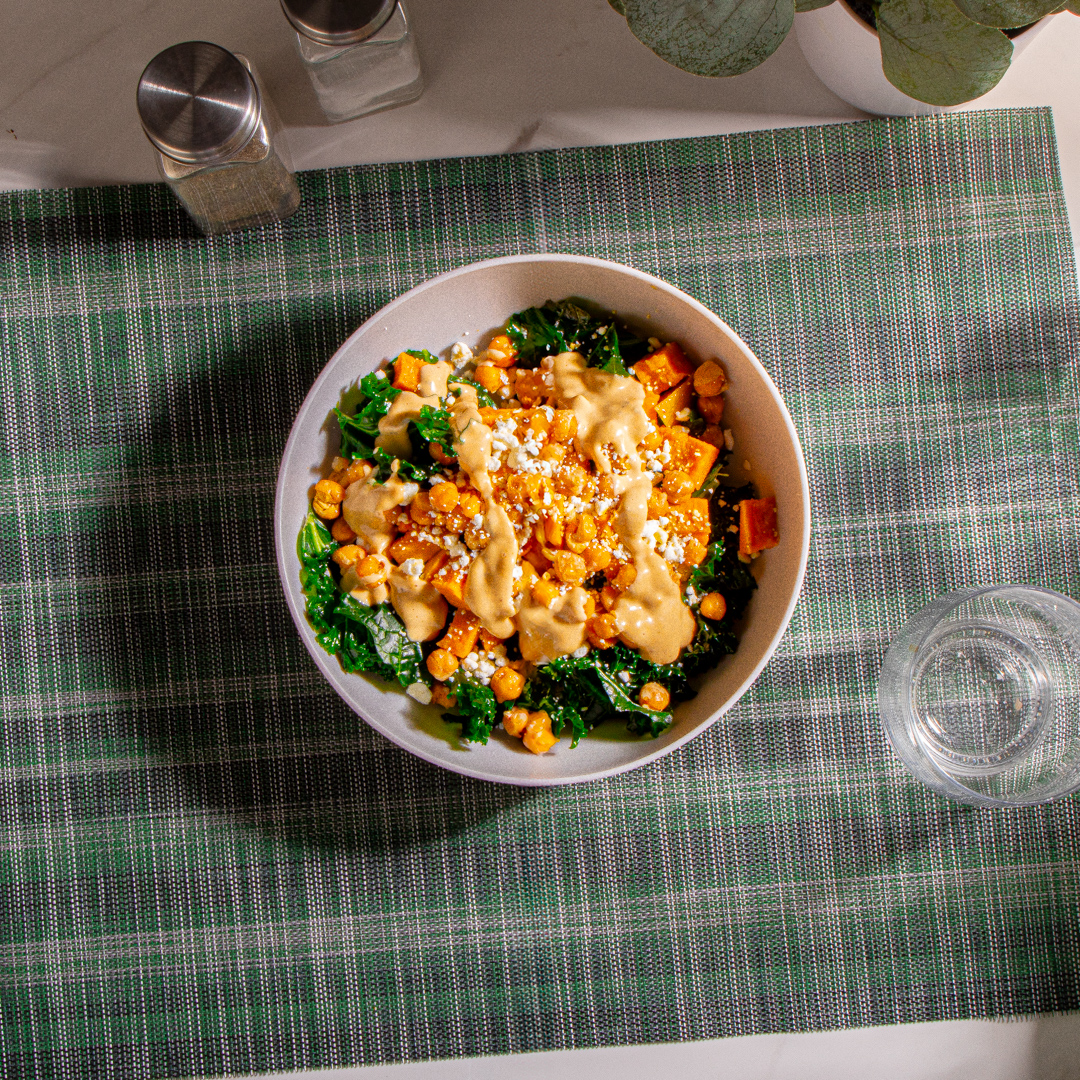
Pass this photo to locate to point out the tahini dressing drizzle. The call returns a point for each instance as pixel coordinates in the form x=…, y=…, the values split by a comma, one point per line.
x=489, y=589
x=393, y=434
x=651, y=614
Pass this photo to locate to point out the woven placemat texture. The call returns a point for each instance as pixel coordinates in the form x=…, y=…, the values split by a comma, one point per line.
x=210, y=866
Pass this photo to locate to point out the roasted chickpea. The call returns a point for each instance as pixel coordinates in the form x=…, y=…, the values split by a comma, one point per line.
x=372, y=571
x=349, y=555
x=329, y=491
x=569, y=568
x=514, y=721
x=537, y=735
x=442, y=664
x=713, y=606
x=327, y=511
x=507, y=684
x=444, y=497
x=342, y=532
x=678, y=485
x=654, y=696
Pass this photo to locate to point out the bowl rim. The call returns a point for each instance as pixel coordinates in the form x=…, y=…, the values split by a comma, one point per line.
x=328, y=665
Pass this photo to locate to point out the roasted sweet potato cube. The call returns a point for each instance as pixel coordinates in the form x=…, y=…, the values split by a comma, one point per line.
x=757, y=526
x=460, y=637
x=411, y=547
x=652, y=399
x=674, y=401
x=692, y=456
x=407, y=371
x=663, y=369
x=450, y=582
x=491, y=416
x=691, y=517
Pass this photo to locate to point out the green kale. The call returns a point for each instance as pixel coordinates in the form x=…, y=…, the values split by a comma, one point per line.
x=423, y=354
x=483, y=399
x=363, y=638
x=475, y=713
x=566, y=326
x=580, y=692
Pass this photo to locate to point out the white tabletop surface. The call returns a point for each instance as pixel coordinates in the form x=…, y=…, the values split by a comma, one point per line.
x=505, y=75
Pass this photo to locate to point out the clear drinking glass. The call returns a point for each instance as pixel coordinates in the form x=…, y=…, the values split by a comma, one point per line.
x=980, y=695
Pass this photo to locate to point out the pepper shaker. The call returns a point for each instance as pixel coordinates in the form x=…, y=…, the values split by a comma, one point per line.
x=359, y=54
x=218, y=138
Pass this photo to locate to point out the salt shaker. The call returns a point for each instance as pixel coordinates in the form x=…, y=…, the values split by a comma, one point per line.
x=218, y=138
x=359, y=54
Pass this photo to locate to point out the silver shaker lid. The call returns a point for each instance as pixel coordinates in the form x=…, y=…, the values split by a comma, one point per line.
x=338, y=22
x=198, y=103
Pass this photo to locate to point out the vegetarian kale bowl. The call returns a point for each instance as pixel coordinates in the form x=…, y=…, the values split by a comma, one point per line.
x=471, y=305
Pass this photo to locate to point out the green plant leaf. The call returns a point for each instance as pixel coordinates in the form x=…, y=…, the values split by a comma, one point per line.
x=934, y=53
x=711, y=37
x=618, y=6
x=1007, y=13
x=1074, y=7
x=811, y=5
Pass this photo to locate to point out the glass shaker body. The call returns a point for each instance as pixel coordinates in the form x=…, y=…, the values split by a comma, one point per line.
x=243, y=181
x=374, y=74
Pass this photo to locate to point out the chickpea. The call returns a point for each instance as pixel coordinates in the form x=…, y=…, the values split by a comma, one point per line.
x=652, y=440
x=538, y=737
x=442, y=664
x=545, y=592
x=564, y=426
x=571, y=480
x=539, y=423
x=514, y=721
x=602, y=630
x=327, y=511
x=349, y=555
x=678, y=485
x=507, y=684
x=654, y=696
x=712, y=408
x=713, y=606
x=597, y=558
x=440, y=696
x=553, y=530
x=440, y=455
x=356, y=471
x=342, y=532
x=329, y=491
x=470, y=503
x=570, y=568
x=420, y=508
x=372, y=570
x=444, y=497
x=710, y=379
x=553, y=452
x=625, y=577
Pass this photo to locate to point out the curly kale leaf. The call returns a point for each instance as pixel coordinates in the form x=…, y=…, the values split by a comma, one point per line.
x=475, y=712
x=358, y=432
x=566, y=326
x=377, y=631
x=483, y=399
x=423, y=354
x=315, y=546
x=580, y=692
x=363, y=638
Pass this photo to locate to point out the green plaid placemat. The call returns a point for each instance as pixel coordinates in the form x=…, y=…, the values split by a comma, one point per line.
x=210, y=866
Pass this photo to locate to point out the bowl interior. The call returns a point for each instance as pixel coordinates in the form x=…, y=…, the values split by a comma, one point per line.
x=469, y=305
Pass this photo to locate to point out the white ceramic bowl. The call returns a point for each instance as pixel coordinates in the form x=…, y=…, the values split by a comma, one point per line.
x=470, y=304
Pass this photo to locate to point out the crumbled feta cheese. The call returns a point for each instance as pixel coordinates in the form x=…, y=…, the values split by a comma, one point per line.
x=380, y=374
x=419, y=692
x=683, y=414
x=408, y=493
x=624, y=677
x=460, y=354
x=476, y=520
x=412, y=567
x=581, y=652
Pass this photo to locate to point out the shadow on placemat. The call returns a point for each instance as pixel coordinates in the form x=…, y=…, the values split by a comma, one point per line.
x=265, y=744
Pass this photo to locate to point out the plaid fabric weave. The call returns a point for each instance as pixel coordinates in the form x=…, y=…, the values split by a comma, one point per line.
x=210, y=866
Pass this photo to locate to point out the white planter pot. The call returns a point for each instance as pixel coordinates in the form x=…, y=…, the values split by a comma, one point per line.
x=845, y=55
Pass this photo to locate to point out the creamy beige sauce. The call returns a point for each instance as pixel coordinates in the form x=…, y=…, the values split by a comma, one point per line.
x=419, y=604
x=365, y=594
x=651, y=614
x=548, y=633
x=608, y=408
x=489, y=588
x=393, y=434
x=366, y=507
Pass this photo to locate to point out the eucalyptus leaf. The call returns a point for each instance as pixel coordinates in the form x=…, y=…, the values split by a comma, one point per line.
x=1007, y=13
x=811, y=5
x=934, y=53
x=711, y=37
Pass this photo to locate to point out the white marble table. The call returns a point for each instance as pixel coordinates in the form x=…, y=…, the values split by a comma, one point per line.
x=512, y=75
